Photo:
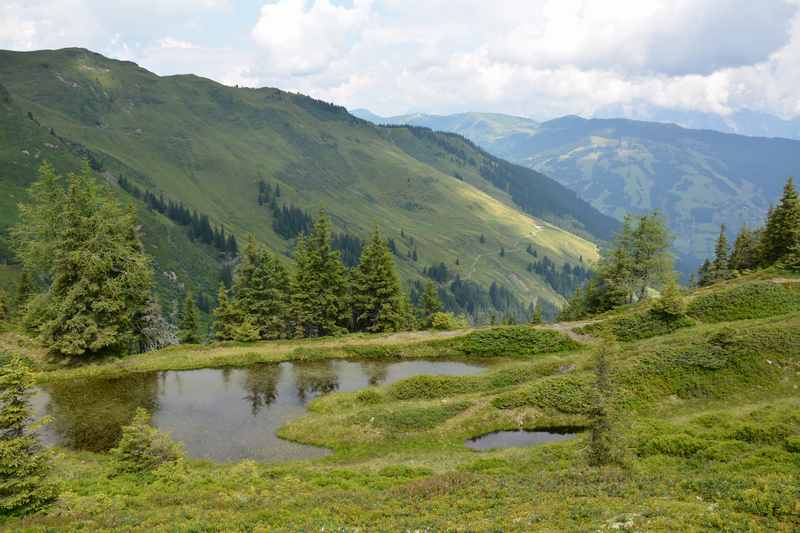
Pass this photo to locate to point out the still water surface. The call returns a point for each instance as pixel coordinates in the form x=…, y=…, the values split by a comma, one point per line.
x=218, y=414
x=517, y=439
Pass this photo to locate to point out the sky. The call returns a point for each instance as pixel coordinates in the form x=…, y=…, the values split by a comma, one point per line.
x=536, y=58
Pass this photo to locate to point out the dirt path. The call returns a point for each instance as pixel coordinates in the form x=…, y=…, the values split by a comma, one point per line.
x=478, y=257
x=568, y=329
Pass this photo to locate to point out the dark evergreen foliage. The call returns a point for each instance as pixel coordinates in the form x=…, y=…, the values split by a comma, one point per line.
x=563, y=280
x=350, y=248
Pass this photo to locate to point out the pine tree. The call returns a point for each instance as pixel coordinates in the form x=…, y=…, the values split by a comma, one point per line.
x=482, y=238
x=266, y=301
x=226, y=316
x=24, y=292
x=502, y=251
x=376, y=294
x=536, y=317
x=3, y=305
x=745, y=250
x=24, y=467
x=431, y=304
x=779, y=233
x=187, y=327
x=98, y=275
x=721, y=265
x=671, y=305
x=319, y=287
x=601, y=449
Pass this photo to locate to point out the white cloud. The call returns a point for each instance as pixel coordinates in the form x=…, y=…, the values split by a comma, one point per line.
x=540, y=58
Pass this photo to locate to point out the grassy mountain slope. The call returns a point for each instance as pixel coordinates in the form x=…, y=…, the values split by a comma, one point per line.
x=698, y=178
x=208, y=145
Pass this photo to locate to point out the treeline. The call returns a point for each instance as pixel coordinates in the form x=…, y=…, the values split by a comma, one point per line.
x=564, y=280
x=320, y=298
x=480, y=305
x=288, y=221
x=198, y=225
x=777, y=242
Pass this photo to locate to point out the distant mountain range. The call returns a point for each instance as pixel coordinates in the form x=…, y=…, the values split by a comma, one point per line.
x=698, y=178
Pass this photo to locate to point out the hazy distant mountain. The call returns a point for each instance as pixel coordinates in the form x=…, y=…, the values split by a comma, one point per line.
x=698, y=178
x=745, y=122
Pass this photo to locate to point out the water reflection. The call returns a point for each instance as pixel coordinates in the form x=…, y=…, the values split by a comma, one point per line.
x=519, y=438
x=219, y=414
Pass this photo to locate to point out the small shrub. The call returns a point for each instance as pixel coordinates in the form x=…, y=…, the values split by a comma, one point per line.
x=769, y=434
x=142, y=448
x=754, y=300
x=448, y=321
x=646, y=325
x=515, y=341
x=369, y=396
x=3, y=305
x=678, y=445
x=431, y=387
x=571, y=394
x=792, y=444
x=404, y=472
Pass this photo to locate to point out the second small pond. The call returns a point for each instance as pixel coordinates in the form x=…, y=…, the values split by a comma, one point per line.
x=518, y=439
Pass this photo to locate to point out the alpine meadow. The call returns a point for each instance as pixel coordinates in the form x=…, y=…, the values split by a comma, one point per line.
x=229, y=304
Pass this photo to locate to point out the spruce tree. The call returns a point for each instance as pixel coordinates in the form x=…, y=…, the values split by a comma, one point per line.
x=319, y=287
x=226, y=316
x=265, y=302
x=536, y=317
x=744, y=255
x=431, y=304
x=721, y=251
x=376, y=295
x=3, y=305
x=98, y=275
x=779, y=233
x=24, y=467
x=187, y=327
x=602, y=449
x=24, y=292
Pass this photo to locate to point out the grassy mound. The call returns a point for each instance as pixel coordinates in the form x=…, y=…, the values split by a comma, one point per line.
x=754, y=300
x=514, y=341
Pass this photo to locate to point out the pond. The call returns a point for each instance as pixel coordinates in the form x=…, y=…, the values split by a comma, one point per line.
x=519, y=438
x=218, y=414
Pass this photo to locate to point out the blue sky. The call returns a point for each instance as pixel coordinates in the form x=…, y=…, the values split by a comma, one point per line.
x=539, y=58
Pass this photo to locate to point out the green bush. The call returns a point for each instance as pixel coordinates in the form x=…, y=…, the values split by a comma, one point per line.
x=369, y=396
x=430, y=387
x=646, y=325
x=754, y=300
x=766, y=434
x=678, y=445
x=792, y=444
x=448, y=321
x=570, y=394
x=142, y=448
x=513, y=341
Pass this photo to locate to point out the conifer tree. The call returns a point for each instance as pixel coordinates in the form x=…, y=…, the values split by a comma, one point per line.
x=187, y=327
x=431, y=304
x=226, y=316
x=24, y=467
x=601, y=449
x=266, y=300
x=745, y=250
x=536, y=317
x=24, y=292
x=3, y=305
x=376, y=295
x=319, y=288
x=779, y=233
x=98, y=275
x=721, y=261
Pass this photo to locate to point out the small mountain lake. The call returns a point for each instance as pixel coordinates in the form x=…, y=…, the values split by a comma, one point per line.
x=518, y=439
x=218, y=414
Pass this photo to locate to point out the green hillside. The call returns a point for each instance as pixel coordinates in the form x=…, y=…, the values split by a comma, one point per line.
x=208, y=146
x=698, y=178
